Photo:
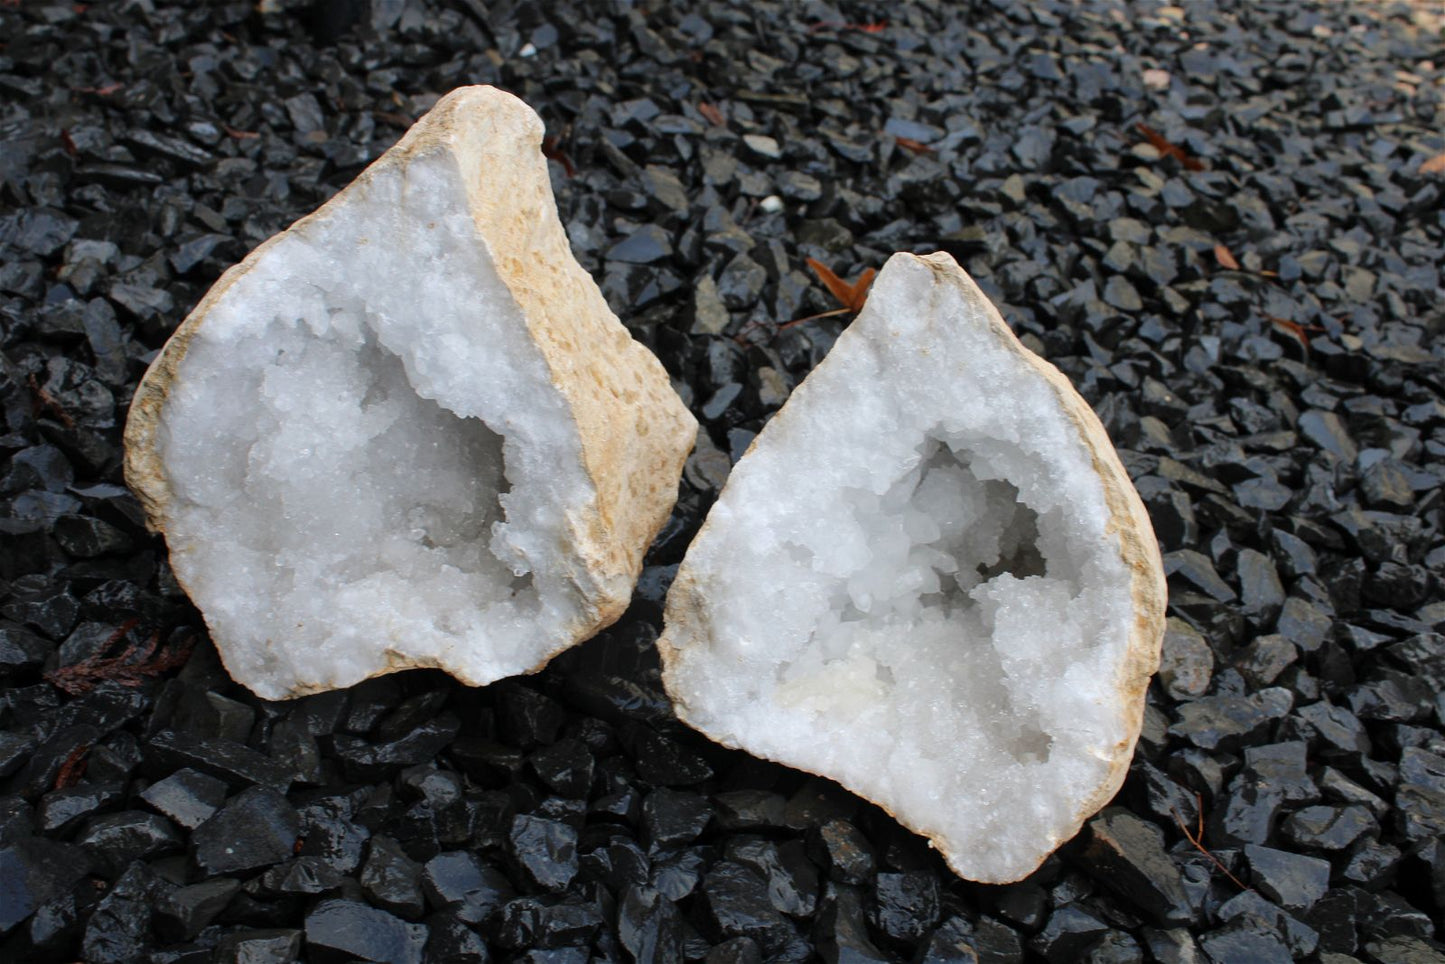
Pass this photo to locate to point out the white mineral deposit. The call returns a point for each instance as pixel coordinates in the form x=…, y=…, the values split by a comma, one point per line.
x=931, y=580
x=408, y=432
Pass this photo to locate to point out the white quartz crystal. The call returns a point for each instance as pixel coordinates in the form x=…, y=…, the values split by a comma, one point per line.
x=408, y=432
x=930, y=580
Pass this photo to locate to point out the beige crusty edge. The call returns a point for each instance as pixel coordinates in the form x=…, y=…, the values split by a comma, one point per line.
x=635, y=432
x=687, y=613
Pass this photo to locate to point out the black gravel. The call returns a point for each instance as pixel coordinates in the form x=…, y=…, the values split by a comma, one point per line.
x=1247, y=288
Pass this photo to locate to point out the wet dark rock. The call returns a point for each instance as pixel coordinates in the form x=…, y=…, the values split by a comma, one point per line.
x=741, y=283
x=842, y=850
x=461, y=878
x=544, y=850
x=391, y=880
x=1115, y=947
x=905, y=906
x=119, y=929
x=791, y=877
x=737, y=905
x=1292, y=880
x=1127, y=855
x=1249, y=908
x=528, y=718
x=263, y=946
x=1194, y=570
x=256, y=828
x=1249, y=812
x=662, y=761
x=62, y=809
x=1385, y=485
x=1327, y=432
x=674, y=817
x=346, y=929
x=1226, y=720
x=649, y=926
x=1328, y=828
x=364, y=760
x=1242, y=944
x=565, y=766
x=1373, y=865
x=115, y=840
x=841, y=933
x=750, y=810
x=239, y=766
x=187, y=797
x=187, y=911
x=1186, y=663
x=36, y=870
x=450, y=940
x=1068, y=933
x=645, y=245
x=1333, y=731
x=1404, y=949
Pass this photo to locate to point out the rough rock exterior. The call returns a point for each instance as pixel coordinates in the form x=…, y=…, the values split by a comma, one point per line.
x=931, y=580
x=408, y=431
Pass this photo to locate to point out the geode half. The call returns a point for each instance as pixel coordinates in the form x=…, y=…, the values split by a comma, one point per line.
x=931, y=580
x=408, y=431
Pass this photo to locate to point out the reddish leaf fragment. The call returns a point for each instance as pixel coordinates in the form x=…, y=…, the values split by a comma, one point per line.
x=1169, y=149
x=917, y=147
x=1225, y=259
x=711, y=112
x=73, y=768
x=239, y=135
x=1293, y=328
x=1433, y=165
x=47, y=402
x=68, y=143
x=105, y=91
x=553, y=152
x=850, y=296
x=136, y=662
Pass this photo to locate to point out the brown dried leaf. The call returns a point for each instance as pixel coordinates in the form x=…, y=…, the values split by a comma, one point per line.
x=130, y=668
x=73, y=768
x=850, y=296
x=917, y=147
x=552, y=150
x=1293, y=328
x=713, y=115
x=46, y=401
x=841, y=290
x=1168, y=148
x=1225, y=259
x=1433, y=165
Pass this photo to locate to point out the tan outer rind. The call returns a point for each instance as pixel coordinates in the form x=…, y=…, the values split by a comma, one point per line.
x=686, y=607
x=635, y=431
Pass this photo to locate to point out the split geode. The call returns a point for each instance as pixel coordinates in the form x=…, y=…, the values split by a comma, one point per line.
x=408, y=432
x=931, y=580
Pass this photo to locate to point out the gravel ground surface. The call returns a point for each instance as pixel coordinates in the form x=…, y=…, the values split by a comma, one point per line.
x=1222, y=221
